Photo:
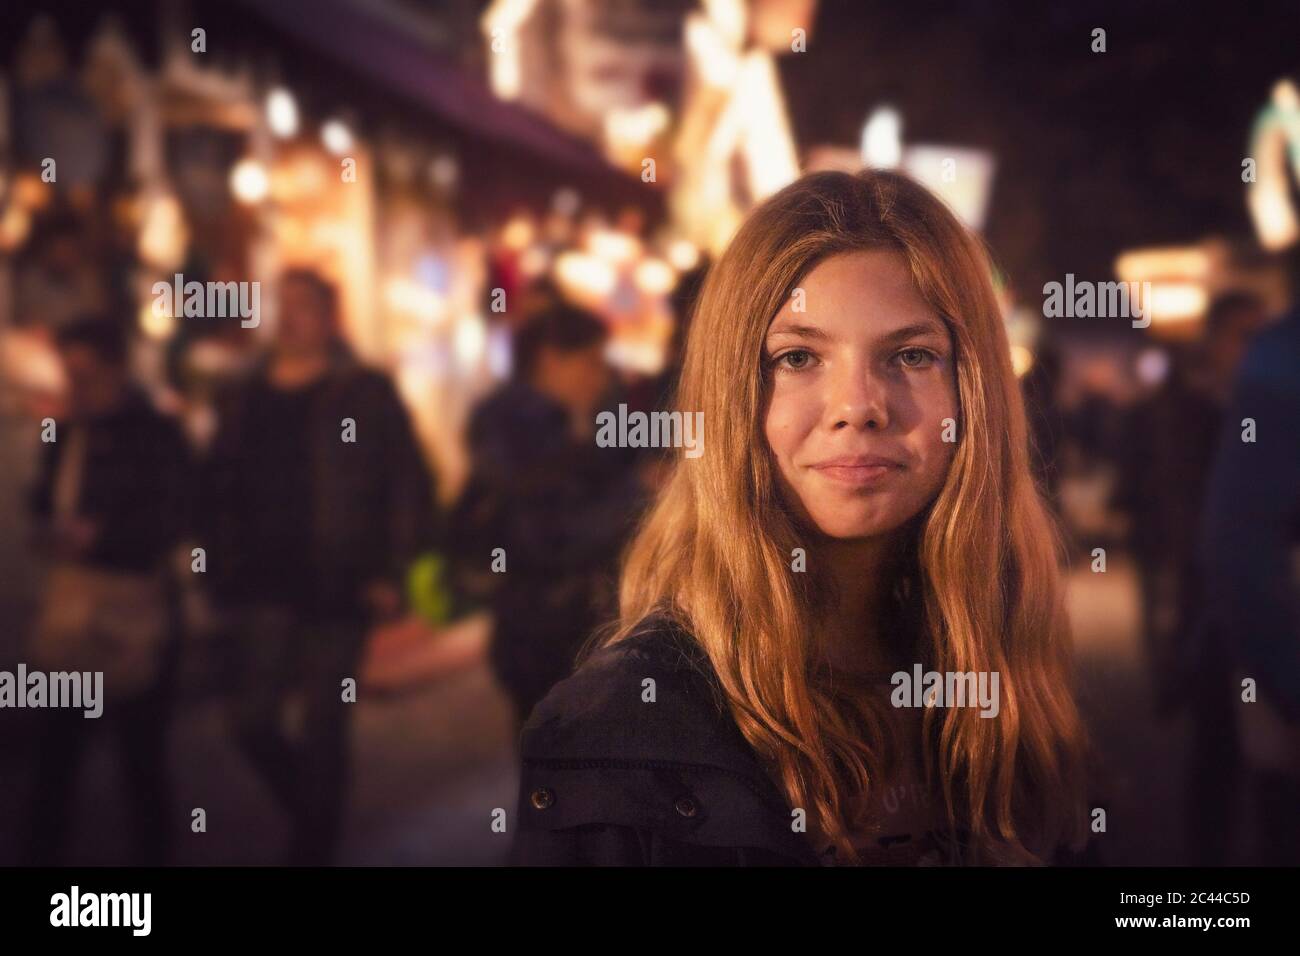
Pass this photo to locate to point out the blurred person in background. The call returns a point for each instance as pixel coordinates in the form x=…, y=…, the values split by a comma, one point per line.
x=1096, y=420
x=1170, y=441
x=110, y=504
x=308, y=536
x=58, y=279
x=1041, y=389
x=1248, y=548
x=657, y=392
x=558, y=505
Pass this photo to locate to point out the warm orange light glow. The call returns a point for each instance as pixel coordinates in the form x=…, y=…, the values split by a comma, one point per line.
x=683, y=254
x=1177, y=301
x=417, y=301
x=518, y=233
x=612, y=246
x=281, y=112
x=1146, y=264
x=1022, y=360
x=249, y=181
x=654, y=277
x=585, y=275
x=156, y=323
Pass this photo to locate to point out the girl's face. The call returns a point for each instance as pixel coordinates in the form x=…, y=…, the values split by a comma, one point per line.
x=859, y=382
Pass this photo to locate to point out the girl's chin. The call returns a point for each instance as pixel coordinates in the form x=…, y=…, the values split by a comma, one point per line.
x=857, y=529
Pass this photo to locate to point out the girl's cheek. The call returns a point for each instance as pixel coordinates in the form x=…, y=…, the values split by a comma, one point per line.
x=942, y=402
x=786, y=418
x=774, y=428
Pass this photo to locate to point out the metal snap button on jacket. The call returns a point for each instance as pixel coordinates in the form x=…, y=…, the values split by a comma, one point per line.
x=686, y=806
x=542, y=798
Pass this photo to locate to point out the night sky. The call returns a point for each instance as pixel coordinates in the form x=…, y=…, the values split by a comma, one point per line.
x=1096, y=152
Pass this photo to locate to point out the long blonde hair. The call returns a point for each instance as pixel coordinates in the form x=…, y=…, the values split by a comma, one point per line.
x=715, y=549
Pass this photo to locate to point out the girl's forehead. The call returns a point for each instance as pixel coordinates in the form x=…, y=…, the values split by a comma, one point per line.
x=848, y=277
x=855, y=297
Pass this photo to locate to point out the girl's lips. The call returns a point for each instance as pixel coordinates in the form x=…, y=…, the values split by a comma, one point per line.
x=856, y=474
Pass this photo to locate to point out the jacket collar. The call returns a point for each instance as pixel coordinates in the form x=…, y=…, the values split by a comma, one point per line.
x=651, y=697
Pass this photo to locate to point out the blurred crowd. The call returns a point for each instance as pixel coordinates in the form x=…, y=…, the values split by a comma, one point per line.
x=1208, y=518
x=293, y=526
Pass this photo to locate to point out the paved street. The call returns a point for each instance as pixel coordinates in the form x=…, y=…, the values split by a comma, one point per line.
x=434, y=762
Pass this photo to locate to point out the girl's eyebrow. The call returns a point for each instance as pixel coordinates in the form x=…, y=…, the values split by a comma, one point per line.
x=899, y=334
x=912, y=331
x=802, y=331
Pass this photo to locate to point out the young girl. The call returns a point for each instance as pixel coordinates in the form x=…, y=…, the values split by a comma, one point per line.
x=863, y=505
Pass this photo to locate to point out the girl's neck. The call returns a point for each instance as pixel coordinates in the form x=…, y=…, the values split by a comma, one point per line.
x=853, y=630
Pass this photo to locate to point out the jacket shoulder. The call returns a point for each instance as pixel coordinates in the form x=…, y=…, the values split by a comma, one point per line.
x=647, y=697
x=1270, y=360
x=358, y=379
x=635, y=758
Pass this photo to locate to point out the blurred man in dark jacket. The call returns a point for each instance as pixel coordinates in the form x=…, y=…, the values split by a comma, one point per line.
x=557, y=505
x=1249, y=541
x=1169, y=449
x=317, y=500
x=110, y=503
x=1169, y=445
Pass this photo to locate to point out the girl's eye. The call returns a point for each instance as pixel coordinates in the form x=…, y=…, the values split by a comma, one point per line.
x=794, y=360
x=916, y=358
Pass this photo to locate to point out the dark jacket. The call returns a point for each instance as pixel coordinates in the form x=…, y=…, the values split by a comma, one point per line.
x=557, y=504
x=134, y=487
x=610, y=779
x=371, y=509
x=561, y=509
x=1168, y=450
x=1251, y=525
